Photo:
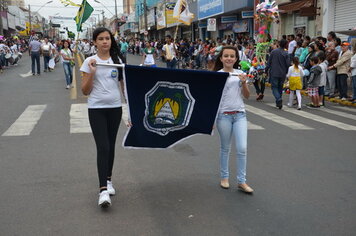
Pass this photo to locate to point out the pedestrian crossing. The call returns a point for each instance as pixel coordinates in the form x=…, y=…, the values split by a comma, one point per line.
x=287, y=118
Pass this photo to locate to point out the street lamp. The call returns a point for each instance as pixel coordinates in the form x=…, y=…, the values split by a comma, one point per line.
x=29, y=12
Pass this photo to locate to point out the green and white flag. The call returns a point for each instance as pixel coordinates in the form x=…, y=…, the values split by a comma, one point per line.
x=83, y=14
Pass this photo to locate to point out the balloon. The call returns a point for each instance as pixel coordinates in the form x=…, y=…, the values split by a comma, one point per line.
x=245, y=65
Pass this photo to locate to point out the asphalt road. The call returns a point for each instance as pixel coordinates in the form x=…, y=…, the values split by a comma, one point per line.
x=302, y=167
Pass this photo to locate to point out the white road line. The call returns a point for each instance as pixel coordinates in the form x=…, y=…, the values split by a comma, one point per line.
x=339, y=113
x=318, y=118
x=79, y=120
x=345, y=108
x=28, y=74
x=252, y=126
x=278, y=119
x=26, y=122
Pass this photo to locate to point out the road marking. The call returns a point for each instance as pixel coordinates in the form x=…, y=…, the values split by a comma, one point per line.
x=26, y=122
x=28, y=74
x=339, y=113
x=277, y=119
x=318, y=118
x=252, y=126
x=79, y=120
x=345, y=108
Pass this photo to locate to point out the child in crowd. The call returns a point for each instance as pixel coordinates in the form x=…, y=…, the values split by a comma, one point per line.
x=314, y=82
x=295, y=75
x=323, y=63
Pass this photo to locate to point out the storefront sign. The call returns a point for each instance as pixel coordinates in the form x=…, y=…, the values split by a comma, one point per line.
x=151, y=18
x=161, y=16
x=211, y=24
x=226, y=26
x=4, y=20
x=228, y=19
x=203, y=24
x=247, y=14
x=240, y=26
x=208, y=8
x=11, y=21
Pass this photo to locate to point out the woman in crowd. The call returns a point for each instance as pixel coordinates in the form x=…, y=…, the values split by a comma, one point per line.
x=68, y=63
x=103, y=84
x=231, y=119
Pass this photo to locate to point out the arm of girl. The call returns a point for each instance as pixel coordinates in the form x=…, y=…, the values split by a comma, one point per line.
x=245, y=89
x=88, y=78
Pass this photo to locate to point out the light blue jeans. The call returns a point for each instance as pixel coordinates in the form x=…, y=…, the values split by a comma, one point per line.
x=68, y=71
x=228, y=126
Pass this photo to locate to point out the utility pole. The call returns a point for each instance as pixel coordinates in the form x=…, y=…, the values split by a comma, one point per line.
x=115, y=9
x=29, y=19
x=145, y=15
x=103, y=18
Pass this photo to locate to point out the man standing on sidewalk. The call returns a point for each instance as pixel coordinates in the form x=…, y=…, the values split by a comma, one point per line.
x=35, y=50
x=331, y=56
x=277, y=66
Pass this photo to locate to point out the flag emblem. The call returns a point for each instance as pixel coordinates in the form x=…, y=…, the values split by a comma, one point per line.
x=169, y=107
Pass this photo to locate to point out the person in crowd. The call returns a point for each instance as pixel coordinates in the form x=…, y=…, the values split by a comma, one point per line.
x=323, y=63
x=294, y=76
x=103, y=84
x=123, y=48
x=314, y=82
x=47, y=50
x=304, y=52
x=331, y=56
x=148, y=56
x=170, y=52
x=330, y=38
x=338, y=44
x=353, y=70
x=68, y=63
x=86, y=48
x=277, y=66
x=342, y=67
x=35, y=52
x=231, y=120
x=298, y=49
x=291, y=46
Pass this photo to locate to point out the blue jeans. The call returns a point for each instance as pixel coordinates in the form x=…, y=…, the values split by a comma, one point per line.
x=277, y=87
x=341, y=80
x=353, y=86
x=172, y=64
x=46, y=61
x=68, y=71
x=35, y=58
x=228, y=126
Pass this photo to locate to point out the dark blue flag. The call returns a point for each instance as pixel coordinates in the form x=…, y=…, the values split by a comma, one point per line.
x=168, y=105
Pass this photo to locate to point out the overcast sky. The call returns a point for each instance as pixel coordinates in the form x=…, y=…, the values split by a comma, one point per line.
x=58, y=8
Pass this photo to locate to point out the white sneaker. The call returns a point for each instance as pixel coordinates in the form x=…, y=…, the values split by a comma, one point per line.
x=110, y=187
x=104, y=199
x=68, y=86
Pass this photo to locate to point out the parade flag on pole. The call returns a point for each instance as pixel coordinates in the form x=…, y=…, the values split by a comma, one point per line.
x=168, y=105
x=181, y=12
x=83, y=14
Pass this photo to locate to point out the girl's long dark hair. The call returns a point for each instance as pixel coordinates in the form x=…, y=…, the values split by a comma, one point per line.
x=66, y=41
x=115, y=53
x=218, y=63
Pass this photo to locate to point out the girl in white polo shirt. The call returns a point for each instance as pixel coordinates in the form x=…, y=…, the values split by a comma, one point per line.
x=103, y=85
x=231, y=119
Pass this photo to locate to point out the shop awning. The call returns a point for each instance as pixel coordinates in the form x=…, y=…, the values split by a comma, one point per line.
x=295, y=6
x=347, y=32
